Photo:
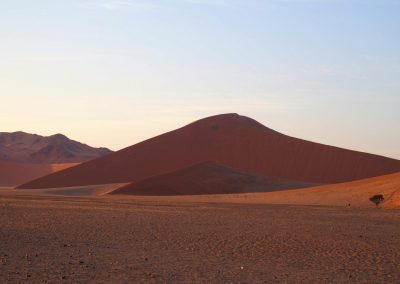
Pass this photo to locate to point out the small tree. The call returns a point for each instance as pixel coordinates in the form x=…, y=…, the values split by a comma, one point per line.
x=377, y=199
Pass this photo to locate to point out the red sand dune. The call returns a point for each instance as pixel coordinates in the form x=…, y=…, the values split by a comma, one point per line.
x=13, y=174
x=353, y=194
x=23, y=147
x=232, y=140
x=206, y=178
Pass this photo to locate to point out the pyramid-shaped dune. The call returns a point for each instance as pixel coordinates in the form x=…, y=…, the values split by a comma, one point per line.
x=231, y=140
x=206, y=178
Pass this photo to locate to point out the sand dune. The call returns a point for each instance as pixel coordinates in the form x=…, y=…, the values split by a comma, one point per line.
x=349, y=194
x=206, y=178
x=13, y=174
x=232, y=140
x=356, y=193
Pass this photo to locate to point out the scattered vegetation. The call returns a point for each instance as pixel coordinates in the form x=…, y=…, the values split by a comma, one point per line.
x=377, y=199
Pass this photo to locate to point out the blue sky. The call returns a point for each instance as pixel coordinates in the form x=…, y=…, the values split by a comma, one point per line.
x=112, y=73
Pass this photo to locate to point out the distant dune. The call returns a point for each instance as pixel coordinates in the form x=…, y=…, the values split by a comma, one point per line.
x=232, y=140
x=206, y=178
x=13, y=174
x=23, y=147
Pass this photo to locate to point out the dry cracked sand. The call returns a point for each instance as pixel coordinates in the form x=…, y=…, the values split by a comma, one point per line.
x=111, y=240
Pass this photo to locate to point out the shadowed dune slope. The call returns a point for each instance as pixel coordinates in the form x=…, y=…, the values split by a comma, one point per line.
x=232, y=140
x=355, y=193
x=13, y=174
x=206, y=178
x=23, y=147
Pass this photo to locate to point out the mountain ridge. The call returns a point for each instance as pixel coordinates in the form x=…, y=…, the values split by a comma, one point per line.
x=22, y=147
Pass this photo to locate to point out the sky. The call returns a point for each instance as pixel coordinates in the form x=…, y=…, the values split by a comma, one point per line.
x=113, y=73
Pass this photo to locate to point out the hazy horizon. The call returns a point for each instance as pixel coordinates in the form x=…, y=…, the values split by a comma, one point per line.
x=114, y=73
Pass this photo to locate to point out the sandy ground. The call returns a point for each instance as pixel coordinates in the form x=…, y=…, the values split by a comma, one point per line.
x=102, y=239
x=353, y=194
x=78, y=191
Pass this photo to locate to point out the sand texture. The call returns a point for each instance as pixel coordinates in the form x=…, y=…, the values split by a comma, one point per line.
x=231, y=140
x=110, y=240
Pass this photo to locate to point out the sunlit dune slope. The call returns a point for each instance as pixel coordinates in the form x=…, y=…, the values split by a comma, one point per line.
x=349, y=194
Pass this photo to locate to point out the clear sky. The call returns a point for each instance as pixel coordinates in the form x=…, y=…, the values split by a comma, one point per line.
x=112, y=73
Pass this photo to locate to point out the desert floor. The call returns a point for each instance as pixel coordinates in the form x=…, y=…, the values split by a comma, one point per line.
x=132, y=240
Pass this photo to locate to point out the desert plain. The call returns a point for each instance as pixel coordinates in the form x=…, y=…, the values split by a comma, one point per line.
x=84, y=236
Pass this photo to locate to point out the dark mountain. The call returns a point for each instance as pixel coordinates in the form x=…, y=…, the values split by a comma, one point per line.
x=23, y=147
